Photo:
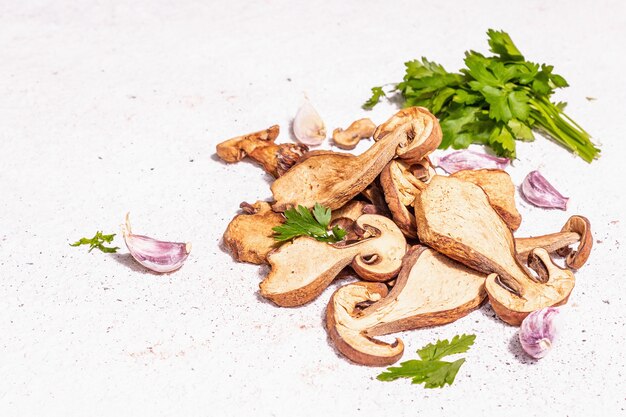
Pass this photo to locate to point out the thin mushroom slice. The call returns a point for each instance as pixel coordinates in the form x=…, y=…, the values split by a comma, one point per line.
x=332, y=179
x=301, y=270
x=554, y=289
x=350, y=137
x=577, y=229
x=260, y=147
x=500, y=189
x=455, y=218
x=420, y=126
x=430, y=290
x=249, y=236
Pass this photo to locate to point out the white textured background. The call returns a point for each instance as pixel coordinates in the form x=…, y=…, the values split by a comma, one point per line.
x=111, y=106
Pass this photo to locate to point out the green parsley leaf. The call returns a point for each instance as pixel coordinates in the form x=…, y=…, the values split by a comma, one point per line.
x=430, y=370
x=442, y=348
x=97, y=242
x=377, y=93
x=301, y=221
x=501, y=44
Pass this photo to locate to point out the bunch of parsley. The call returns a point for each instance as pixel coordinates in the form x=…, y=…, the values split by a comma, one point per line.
x=493, y=101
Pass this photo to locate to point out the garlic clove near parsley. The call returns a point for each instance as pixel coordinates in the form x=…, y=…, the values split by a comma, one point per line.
x=308, y=126
x=538, y=332
x=156, y=255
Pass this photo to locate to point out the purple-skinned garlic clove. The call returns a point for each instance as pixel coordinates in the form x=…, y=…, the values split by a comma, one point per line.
x=156, y=255
x=538, y=332
x=539, y=192
x=460, y=160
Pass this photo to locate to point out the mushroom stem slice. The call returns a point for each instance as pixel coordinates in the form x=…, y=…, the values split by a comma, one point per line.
x=301, y=270
x=350, y=137
x=332, y=179
x=430, y=290
x=554, y=289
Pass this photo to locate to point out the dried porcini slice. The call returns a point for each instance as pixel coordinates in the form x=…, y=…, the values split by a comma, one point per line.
x=420, y=127
x=577, y=229
x=249, y=236
x=377, y=257
x=430, y=290
x=500, y=189
x=350, y=137
x=401, y=183
x=332, y=179
x=455, y=218
x=259, y=146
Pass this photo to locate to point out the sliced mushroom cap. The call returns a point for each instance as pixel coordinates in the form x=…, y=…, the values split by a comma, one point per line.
x=430, y=290
x=249, y=236
x=420, y=127
x=302, y=269
x=577, y=229
x=349, y=138
x=500, y=189
x=332, y=179
x=260, y=147
x=455, y=217
x=553, y=289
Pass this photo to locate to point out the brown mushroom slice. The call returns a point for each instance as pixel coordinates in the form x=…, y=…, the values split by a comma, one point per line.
x=260, y=147
x=350, y=137
x=301, y=270
x=332, y=179
x=249, y=236
x=554, y=290
x=431, y=290
x=422, y=129
x=400, y=188
x=455, y=218
x=577, y=229
x=499, y=188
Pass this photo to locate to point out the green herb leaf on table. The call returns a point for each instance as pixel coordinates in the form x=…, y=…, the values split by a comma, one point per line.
x=494, y=101
x=301, y=221
x=97, y=242
x=430, y=370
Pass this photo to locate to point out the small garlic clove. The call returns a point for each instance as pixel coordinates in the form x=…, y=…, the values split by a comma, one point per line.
x=460, y=160
x=539, y=192
x=538, y=332
x=308, y=126
x=156, y=255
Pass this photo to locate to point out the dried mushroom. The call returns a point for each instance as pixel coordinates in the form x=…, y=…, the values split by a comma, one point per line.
x=401, y=183
x=552, y=288
x=455, y=218
x=260, y=147
x=249, y=236
x=500, y=189
x=577, y=229
x=302, y=269
x=332, y=179
x=349, y=138
x=420, y=127
x=430, y=290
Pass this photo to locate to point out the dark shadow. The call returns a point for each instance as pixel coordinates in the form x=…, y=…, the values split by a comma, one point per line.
x=128, y=261
x=292, y=136
x=216, y=158
x=516, y=349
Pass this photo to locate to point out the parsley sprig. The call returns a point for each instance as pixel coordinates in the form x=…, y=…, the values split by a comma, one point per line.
x=302, y=222
x=494, y=101
x=97, y=242
x=430, y=369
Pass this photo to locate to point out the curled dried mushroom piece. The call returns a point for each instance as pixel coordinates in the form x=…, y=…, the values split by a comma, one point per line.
x=455, y=218
x=302, y=269
x=332, y=179
x=249, y=236
x=349, y=138
x=260, y=147
x=430, y=290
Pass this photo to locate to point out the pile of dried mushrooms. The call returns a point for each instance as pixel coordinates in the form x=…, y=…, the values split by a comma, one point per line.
x=428, y=248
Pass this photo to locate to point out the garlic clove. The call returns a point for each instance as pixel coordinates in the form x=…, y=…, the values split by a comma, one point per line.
x=538, y=332
x=460, y=160
x=308, y=126
x=156, y=255
x=539, y=192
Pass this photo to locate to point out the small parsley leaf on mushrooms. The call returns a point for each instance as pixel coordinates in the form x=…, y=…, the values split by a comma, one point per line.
x=302, y=222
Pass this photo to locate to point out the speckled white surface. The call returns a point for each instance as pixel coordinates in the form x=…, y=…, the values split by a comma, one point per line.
x=110, y=106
